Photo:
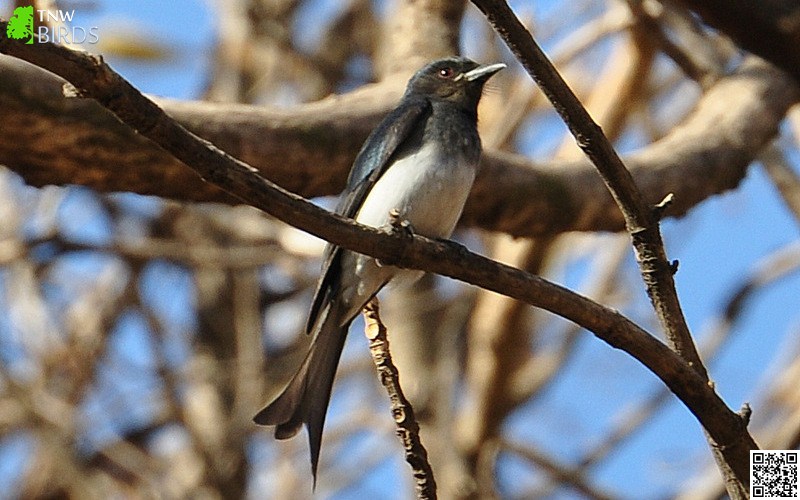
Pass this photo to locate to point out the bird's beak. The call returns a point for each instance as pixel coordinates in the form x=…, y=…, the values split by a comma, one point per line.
x=483, y=72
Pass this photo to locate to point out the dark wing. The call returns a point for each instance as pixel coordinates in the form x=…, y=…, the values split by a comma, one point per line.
x=381, y=144
x=369, y=165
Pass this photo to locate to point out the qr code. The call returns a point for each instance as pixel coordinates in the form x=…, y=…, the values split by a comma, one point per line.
x=773, y=474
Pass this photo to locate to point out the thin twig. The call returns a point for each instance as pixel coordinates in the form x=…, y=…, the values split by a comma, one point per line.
x=573, y=476
x=783, y=177
x=407, y=426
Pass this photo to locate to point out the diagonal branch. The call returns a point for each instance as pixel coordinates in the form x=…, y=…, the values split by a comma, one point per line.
x=309, y=148
x=641, y=220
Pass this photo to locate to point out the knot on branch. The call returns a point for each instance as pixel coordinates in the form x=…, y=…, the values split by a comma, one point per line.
x=745, y=412
x=660, y=208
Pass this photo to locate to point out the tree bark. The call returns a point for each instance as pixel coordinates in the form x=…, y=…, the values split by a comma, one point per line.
x=308, y=149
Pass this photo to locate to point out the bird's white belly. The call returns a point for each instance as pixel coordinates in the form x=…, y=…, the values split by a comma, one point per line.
x=427, y=189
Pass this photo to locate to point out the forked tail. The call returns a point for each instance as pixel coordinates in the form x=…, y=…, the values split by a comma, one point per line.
x=305, y=399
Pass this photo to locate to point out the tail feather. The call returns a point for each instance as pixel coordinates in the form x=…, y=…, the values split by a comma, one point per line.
x=305, y=399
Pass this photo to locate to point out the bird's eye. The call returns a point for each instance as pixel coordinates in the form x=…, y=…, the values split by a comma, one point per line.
x=447, y=72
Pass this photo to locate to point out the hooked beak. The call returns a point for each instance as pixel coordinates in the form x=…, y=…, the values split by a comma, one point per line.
x=483, y=72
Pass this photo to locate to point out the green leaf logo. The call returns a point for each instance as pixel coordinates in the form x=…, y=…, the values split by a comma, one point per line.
x=20, y=26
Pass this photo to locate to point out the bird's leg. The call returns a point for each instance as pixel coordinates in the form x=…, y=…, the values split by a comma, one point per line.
x=397, y=225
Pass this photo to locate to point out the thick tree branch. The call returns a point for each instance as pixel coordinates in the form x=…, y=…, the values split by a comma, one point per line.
x=94, y=79
x=308, y=149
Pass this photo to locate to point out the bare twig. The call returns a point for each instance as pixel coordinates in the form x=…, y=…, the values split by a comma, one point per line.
x=640, y=219
x=573, y=476
x=784, y=177
x=693, y=61
x=407, y=426
x=493, y=369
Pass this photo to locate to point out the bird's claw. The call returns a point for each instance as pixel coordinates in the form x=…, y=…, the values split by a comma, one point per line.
x=397, y=224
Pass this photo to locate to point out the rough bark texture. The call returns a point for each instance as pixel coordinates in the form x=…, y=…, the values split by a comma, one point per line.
x=52, y=140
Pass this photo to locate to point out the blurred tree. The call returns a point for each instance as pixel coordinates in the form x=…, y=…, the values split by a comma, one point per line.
x=139, y=334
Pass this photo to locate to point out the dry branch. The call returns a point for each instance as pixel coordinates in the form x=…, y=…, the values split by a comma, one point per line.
x=308, y=149
x=641, y=219
x=407, y=425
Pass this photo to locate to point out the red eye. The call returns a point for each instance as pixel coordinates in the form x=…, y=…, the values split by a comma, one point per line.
x=447, y=72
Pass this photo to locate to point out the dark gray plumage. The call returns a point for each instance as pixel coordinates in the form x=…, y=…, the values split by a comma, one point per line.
x=421, y=160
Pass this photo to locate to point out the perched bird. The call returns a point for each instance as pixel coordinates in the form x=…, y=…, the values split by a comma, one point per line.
x=421, y=162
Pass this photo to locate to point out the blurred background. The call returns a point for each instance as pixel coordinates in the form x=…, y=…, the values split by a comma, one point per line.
x=140, y=334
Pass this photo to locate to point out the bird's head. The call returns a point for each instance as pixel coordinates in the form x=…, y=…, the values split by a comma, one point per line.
x=455, y=79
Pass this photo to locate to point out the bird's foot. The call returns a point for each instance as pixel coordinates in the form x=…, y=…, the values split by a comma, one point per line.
x=397, y=224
